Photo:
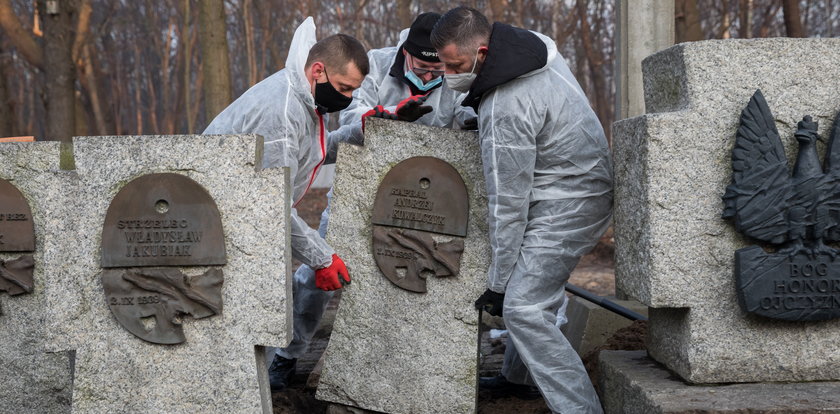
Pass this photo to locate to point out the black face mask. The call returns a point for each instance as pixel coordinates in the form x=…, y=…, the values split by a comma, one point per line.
x=328, y=99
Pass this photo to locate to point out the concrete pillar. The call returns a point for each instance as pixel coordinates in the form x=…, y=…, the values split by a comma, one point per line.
x=644, y=27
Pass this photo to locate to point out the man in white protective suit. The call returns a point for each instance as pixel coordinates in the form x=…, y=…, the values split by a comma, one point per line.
x=549, y=186
x=288, y=110
x=404, y=83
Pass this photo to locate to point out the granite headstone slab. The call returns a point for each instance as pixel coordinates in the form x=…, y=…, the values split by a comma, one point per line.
x=674, y=252
x=394, y=350
x=32, y=188
x=220, y=368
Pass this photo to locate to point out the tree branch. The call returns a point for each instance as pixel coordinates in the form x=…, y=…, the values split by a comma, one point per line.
x=23, y=41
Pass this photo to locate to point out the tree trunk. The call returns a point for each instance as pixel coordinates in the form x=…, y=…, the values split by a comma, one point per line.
x=57, y=18
x=595, y=58
x=404, y=14
x=745, y=16
x=21, y=39
x=7, y=114
x=93, y=92
x=249, y=42
x=214, y=56
x=687, y=25
x=793, y=22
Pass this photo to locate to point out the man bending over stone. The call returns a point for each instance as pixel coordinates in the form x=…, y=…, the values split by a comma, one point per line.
x=288, y=110
x=404, y=83
x=549, y=187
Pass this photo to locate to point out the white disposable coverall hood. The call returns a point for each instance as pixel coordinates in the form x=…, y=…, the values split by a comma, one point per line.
x=281, y=108
x=549, y=187
x=380, y=88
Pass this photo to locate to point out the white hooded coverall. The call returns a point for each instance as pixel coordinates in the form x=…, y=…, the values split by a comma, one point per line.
x=281, y=108
x=549, y=187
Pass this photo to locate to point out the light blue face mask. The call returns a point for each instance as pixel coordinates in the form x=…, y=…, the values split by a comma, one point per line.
x=411, y=76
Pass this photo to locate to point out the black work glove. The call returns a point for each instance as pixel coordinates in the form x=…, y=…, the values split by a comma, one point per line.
x=470, y=124
x=491, y=302
x=412, y=108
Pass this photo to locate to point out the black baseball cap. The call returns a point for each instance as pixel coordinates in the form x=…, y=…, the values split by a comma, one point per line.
x=418, y=43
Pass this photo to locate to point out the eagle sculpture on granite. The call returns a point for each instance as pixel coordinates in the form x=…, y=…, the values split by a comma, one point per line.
x=799, y=212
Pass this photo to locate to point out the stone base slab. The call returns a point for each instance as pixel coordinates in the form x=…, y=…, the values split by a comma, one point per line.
x=590, y=325
x=631, y=382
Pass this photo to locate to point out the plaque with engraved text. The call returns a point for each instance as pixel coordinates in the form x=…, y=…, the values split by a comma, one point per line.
x=17, y=231
x=17, y=234
x=419, y=222
x=162, y=220
x=155, y=224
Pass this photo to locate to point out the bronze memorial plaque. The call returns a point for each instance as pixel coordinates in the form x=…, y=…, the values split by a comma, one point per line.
x=419, y=222
x=17, y=234
x=155, y=224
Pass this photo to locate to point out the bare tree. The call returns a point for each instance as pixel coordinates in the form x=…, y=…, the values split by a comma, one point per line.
x=215, y=59
x=793, y=21
x=687, y=25
x=745, y=16
x=57, y=18
x=6, y=108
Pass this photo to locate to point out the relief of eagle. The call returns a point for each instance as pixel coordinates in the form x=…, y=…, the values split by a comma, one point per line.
x=798, y=212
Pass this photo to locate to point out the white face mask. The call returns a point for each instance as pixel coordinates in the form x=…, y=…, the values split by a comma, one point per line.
x=462, y=82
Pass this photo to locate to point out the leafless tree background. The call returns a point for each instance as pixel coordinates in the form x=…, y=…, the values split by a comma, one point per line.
x=96, y=67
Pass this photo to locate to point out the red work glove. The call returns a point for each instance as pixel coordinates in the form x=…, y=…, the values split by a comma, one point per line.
x=377, y=112
x=328, y=277
x=412, y=108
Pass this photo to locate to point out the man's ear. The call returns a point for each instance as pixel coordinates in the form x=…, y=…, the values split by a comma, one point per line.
x=482, y=52
x=316, y=70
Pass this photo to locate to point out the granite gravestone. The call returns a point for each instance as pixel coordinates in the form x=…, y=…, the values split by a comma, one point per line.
x=153, y=268
x=396, y=350
x=674, y=251
x=31, y=190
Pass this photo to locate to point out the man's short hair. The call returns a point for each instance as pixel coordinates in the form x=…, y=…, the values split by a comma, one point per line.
x=466, y=27
x=337, y=51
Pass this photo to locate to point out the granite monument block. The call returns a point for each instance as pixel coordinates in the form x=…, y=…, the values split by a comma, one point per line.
x=176, y=269
x=393, y=349
x=32, y=190
x=674, y=251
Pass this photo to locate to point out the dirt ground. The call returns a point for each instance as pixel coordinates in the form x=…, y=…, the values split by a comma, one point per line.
x=594, y=273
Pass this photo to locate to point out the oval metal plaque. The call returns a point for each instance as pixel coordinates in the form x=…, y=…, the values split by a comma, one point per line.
x=419, y=220
x=17, y=234
x=423, y=193
x=17, y=231
x=162, y=220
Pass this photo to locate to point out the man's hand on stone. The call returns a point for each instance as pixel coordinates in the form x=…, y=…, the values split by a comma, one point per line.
x=412, y=108
x=491, y=302
x=377, y=111
x=333, y=277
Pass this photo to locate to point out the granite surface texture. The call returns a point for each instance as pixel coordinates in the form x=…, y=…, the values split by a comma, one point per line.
x=393, y=350
x=674, y=253
x=220, y=368
x=33, y=381
x=632, y=383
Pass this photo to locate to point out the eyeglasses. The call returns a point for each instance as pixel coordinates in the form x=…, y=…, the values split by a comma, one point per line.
x=421, y=72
